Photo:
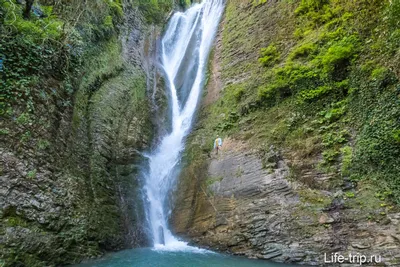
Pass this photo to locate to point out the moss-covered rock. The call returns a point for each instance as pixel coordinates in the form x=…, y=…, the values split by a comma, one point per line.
x=314, y=84
x=76, y=114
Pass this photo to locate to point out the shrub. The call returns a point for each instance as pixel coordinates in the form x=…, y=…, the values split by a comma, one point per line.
x=331, y=139
x=382, y=77
x=35, y=29
x=330, y=155
x=394, y=15
x=347, y=155
x=338, y=55
x=155, y=10
x=268, y=93
x=269, y=55
x=297, y=76
x=303, y=51
x=23, y=119
x=238, y=93
x=309, y=6
x=308, y=96
x=396, y=136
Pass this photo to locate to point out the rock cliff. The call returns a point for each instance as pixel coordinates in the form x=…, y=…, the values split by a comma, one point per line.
x=289, y=183
x=76, y=115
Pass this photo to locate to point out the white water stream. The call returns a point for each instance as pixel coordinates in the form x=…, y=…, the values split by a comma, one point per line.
x=184, y=54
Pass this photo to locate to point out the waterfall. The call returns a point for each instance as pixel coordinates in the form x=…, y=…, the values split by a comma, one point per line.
x=185, y=47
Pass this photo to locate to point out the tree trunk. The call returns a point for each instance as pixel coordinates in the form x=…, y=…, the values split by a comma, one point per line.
x=28, y=7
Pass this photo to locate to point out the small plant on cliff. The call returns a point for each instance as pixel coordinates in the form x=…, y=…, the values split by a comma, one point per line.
x=211, y=180
x=347, y=154
x=349, y=194
x=43, y=144
x=269, y=55
x=338, y=56
x=303, y=51
x=155, y=10
x=32, y=174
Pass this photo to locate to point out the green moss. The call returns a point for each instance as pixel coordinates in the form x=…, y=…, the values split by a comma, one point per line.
x=307, y=6
x=347, y=155
x=15, y=221
x=269, y=55
x=393, y=12
x=304, y=50
x=312, y=95
x=212, y=180
x=314, y=197
x=238, y=93
x=35, y=29
x=338, y=55
x=155, y=11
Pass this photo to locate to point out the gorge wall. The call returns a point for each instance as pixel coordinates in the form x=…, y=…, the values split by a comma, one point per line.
x=76, y=77
x=305, y=95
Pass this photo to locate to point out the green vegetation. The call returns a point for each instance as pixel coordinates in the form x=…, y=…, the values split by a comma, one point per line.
x=349, y=194
x=347, y=155
x=155, y=10
x=49, y=44
x=270, y=55
x=324, y=86
x=58, y=67
x=212, y=180
x=32, y=174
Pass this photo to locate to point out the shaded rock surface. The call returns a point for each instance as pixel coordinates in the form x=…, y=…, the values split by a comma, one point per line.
x=72, y=190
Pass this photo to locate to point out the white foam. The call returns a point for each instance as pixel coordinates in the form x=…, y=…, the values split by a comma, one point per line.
x=180, y=246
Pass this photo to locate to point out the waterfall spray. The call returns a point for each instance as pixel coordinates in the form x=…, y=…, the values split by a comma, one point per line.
x=184, y=54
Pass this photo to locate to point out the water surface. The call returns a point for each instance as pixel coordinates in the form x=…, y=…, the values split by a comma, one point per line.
x=150, y=257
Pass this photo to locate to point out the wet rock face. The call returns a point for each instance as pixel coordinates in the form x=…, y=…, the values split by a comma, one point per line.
x=247, y=208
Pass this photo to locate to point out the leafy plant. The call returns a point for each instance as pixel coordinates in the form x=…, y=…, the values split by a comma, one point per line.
x=155, y=10
x=347, y=154
x=303, y=51
x=43, y=144
x=330, y=156
x=339, y=55
x=269, y=55
x=23, y=119
x=32, y=174
x=331, y=139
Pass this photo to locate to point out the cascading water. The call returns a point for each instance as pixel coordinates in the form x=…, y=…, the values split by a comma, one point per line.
x=184, y=54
